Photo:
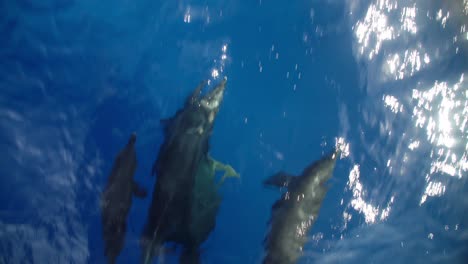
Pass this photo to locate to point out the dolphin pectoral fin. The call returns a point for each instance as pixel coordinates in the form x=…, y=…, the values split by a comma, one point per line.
x=280, y=179
x=139, y=191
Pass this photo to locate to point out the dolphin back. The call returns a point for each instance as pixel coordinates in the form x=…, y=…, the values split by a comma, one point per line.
x=294, y=214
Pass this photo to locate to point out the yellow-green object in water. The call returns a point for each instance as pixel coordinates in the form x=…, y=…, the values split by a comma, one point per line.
x=206, y=199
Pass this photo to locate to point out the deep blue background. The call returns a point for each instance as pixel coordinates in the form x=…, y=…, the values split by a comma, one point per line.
x=77, y=77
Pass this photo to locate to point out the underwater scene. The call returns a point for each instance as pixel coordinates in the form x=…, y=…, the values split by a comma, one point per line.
x=236, y=132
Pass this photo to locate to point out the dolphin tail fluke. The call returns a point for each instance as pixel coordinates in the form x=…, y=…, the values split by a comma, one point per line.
x=229, y=171
x=190, y=256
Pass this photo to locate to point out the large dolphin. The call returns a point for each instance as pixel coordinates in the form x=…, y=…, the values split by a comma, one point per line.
x=294, y=214
x=186, y=143
x=117, y=199
x=204, y=208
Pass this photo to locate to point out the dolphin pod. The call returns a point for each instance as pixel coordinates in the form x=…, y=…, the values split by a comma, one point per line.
x=186, y=197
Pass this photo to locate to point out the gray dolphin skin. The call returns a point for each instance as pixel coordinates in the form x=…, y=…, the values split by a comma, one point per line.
x=294, y=214
x=186, y=144
x=117, y=199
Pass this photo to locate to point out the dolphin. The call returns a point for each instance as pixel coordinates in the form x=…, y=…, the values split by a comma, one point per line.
x=186, y=143
x=205, y=204
x=294, y=214
x=116, y=199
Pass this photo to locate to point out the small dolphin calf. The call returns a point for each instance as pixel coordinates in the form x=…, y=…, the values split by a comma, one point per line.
x=294, y=214
x=117, y=199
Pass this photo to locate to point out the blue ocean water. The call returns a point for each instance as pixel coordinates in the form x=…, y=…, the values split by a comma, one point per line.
x=383, y=79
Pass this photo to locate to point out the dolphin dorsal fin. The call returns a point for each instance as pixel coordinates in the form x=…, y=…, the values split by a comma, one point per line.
x=280, y=179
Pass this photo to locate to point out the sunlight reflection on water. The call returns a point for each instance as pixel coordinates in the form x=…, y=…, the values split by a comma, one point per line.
x=388, y=37
x=418, y=104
